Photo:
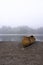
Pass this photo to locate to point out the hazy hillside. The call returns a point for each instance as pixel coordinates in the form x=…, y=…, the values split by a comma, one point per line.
x=20, y=30
x=39, y=30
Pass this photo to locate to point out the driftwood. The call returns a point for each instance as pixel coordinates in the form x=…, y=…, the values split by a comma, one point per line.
x=26, y=41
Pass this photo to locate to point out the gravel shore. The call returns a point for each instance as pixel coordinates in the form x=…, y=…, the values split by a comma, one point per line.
x=13, y=53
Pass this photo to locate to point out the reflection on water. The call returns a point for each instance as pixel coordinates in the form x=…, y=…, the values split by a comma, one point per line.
x=16, y=37
x=11, y=38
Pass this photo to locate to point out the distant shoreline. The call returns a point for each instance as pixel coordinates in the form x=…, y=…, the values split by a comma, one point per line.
x=21, y=34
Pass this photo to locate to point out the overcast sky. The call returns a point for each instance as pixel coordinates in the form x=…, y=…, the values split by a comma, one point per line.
x=21, y=12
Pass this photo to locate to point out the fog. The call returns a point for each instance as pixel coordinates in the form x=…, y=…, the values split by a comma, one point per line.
x=16, y=13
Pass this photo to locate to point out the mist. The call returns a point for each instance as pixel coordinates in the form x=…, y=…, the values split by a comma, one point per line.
x=15, y=13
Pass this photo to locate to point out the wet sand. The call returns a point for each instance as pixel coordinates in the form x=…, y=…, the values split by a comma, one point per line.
x=13, y=53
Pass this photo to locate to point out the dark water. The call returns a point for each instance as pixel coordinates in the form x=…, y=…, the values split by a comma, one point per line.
x=18, y=37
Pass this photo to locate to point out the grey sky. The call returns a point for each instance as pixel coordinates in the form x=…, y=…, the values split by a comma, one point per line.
x=21, y=12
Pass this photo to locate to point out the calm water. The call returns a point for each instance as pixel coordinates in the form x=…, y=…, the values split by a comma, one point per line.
x=18, y=37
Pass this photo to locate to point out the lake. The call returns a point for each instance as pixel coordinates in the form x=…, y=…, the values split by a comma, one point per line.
x=18, y=37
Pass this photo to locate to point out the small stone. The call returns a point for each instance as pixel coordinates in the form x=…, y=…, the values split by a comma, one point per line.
x=22, y=48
